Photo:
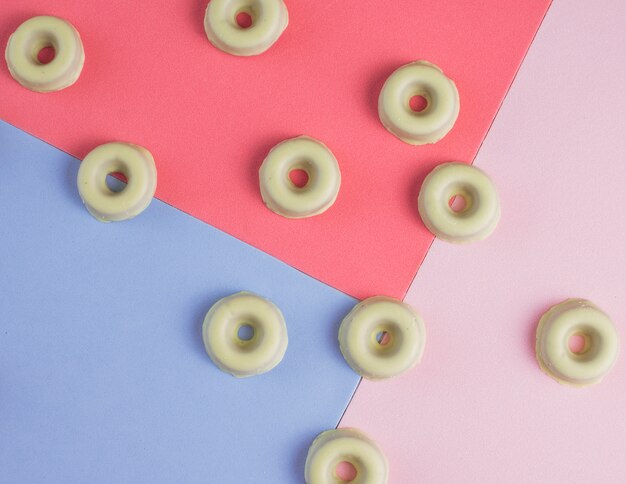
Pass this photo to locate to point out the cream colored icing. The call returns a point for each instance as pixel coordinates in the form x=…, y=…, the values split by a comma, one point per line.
x=286, y=199
x=32, y=36
x=345, y=445
x=359, y=331
x=269, y=20
x=481, y=214
x=424, y=79
x=242, y=358
x=135, y=162
x=558, y=325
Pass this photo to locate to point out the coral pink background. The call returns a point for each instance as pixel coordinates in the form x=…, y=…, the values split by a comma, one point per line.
x=151, y=77
x=478, y=409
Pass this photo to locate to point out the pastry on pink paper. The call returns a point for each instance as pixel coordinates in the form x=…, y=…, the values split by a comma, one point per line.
x=332, y=447
x=382, y=337
x=476, y=219
x=581, y=318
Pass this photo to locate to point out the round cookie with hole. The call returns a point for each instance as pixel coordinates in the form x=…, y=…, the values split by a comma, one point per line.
x=131, y=162
x=418, y=103
x=245, y=27
x=245, y=334
x=459, y=203
x=45, y=54
x=345, y=455
x=382, y=337
x=299, y=178
x=577, y=343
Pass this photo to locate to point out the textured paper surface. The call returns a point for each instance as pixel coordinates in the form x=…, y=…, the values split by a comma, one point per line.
x=152, y=77
x=103, y=373
x=478, y=409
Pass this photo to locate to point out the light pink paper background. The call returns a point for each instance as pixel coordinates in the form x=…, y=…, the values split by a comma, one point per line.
x=478, y=409
x=152, y=77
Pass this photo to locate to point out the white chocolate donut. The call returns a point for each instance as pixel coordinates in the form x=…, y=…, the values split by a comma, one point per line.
x=282, y=196
x=269, y=20
x=581, y=318
x=476, y=220
x=135, y=163
x=35, y=34
x=240, y=357
x=424, y=79
x=382, y=337
x=332, y=447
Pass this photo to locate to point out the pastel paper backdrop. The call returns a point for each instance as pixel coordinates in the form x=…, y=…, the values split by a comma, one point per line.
x=478, y=409
x=152, y=77
x=103, y=373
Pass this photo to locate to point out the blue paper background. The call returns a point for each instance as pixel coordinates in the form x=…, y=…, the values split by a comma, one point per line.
x=103, y=374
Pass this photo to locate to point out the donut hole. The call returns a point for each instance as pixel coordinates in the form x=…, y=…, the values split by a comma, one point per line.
x=245, y=332
x=461, y=199
x=418, y=100
x=42, y=50
x=244, y=13
x=46, y=54
x=457, y=203
x=579, y=343
x=345, y=471
x=418, y=103
x=116, y=181
x=383, y=340
x=299, y=177
x=300, y=174
x=244, y=19
x=583, y=343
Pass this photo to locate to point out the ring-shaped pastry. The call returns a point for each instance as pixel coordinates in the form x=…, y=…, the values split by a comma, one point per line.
x=30, y=38
x=332, y=447
x=429, y=125
x=282, y=196
x=245, y=357
x=135, y=163
x=382, y=337
x=269, y=20
x=476, y=220
x=576, y=317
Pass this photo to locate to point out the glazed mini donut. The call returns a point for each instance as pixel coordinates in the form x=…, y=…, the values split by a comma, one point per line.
x=135, y=163
x=245, y=357
x=476, y=220
x=282, y=196
x=424, y=79
x=576, y=317
x=32, y=36
x=382, y=337
x=332, y=447
x=269, y=20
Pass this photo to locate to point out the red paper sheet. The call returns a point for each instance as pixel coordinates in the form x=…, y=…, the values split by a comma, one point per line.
x=152, y=77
